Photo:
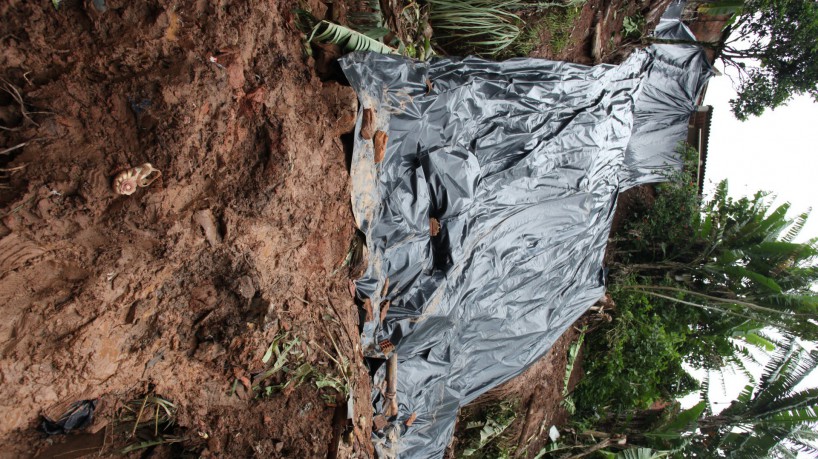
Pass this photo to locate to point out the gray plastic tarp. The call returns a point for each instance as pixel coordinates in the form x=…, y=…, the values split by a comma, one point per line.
x=521, y=163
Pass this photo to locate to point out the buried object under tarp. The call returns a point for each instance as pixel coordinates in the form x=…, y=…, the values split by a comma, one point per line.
x=487, y=213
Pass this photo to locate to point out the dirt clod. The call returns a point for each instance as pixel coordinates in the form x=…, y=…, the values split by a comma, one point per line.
x=411, y=420
x=379, y=422
x=380, y=145
x=434, y=227
x=368, y=124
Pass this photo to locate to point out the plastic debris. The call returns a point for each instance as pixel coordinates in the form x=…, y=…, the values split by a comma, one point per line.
x=520, y=163
x=78, y=416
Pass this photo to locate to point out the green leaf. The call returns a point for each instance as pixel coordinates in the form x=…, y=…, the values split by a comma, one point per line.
x=759, y=342
x=56, y=4
x=348, y=39
x=684, y=421
x=640, y=453
x=269, y=353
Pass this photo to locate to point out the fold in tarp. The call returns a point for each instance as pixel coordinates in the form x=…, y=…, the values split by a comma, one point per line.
x=520, y=162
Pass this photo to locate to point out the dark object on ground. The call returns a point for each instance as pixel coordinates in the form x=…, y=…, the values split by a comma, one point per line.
x=79, y=416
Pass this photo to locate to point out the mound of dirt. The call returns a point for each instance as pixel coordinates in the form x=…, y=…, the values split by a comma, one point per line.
x=179, y=288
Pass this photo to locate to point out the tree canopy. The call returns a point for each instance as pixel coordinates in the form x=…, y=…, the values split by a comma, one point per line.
x=773, y=45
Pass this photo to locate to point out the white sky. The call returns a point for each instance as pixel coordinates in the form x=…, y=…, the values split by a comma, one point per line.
x=776, y=152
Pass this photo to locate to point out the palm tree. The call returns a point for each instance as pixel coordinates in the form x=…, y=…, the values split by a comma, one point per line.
x=739, y=258
x=773, y=418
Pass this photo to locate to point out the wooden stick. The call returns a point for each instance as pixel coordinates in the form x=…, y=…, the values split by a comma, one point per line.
x=391, y=394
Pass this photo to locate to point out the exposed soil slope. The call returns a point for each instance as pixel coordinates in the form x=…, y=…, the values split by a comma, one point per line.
x=180, y=287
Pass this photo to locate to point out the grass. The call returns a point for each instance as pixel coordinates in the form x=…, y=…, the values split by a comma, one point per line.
x=557, y=21
x=485, y=27
x=288, y=369
x=147, y=420
x=560, y=23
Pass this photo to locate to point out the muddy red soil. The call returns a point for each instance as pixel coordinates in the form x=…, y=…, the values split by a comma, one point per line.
x=179, y=288
x=596, y=36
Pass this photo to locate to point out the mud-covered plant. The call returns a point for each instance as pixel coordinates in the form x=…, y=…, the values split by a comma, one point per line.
x=282, y=356
x=147, y=421
x=415, y=31
x=341, y=384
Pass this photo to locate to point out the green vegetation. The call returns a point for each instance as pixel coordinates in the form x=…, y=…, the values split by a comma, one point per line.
x=633, y=26
x=490, y=28
x=560, y=23
x=348, y=39
x=635, y=361
x=573, y=354
x=780, y=35
x=768, y=419
x=147, y=421
x=771, y=47
x=484, y=437
x=480, y=26
x=290, y=369
x=701, y=283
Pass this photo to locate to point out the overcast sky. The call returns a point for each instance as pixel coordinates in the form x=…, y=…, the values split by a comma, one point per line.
x=777, y=151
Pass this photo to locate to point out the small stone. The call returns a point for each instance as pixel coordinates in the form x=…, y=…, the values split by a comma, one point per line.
x=245, y=288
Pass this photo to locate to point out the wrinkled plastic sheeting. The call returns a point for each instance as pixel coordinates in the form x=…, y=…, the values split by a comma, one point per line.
x=668, y=96
x=521, y=163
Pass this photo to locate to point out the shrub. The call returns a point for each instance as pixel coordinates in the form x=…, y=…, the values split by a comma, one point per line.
x=634, y=361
